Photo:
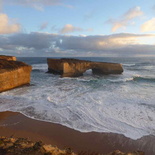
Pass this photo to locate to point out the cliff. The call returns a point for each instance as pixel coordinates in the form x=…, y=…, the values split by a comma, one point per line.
x=4, y=57
x=75, y=67
x=13, y=74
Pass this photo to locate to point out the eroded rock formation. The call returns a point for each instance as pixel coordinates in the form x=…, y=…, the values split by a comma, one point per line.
x=13, y=73
x=75, y=67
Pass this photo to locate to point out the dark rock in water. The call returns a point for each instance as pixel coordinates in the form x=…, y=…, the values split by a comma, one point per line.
x=75, y=67
x=13, y=73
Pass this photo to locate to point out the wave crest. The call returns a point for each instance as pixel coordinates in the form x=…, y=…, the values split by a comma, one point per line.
x=143, y=79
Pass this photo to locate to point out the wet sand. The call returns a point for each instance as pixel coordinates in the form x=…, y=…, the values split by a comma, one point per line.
x=16, y=125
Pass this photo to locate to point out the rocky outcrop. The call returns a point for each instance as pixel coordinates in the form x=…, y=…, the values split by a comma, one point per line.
x=4, y=57
x=117, y=152
x=13, y=74
x=22, y=146
x=75, y=67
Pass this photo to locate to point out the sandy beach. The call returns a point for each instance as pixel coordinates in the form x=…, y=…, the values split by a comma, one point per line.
x=13, y=124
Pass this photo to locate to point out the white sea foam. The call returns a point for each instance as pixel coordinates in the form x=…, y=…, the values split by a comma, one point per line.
x=41, y=67
x=129, y=65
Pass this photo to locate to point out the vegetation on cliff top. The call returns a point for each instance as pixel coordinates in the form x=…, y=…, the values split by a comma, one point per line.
x=9, y=65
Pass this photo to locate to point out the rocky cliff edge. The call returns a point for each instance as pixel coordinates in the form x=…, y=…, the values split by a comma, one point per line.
x=13, y=73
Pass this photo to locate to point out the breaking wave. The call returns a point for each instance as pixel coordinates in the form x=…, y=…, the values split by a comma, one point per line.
x=144, y=79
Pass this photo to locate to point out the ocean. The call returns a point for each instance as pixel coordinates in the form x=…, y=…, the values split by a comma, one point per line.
x=123, y=104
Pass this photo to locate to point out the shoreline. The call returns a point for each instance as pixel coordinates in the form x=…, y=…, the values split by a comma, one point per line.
x=14, y=124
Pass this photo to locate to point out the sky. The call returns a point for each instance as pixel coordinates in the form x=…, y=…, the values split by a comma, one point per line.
x=77, y=28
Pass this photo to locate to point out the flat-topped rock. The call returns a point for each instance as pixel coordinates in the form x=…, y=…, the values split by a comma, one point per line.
x=13, y=74
x=8, y=57
x=75, y=67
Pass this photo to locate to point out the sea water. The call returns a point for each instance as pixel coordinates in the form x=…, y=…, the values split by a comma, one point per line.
x=123, y=104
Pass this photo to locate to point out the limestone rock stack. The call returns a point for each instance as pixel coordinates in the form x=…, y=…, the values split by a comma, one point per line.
x=13, y=73
x=75, y=67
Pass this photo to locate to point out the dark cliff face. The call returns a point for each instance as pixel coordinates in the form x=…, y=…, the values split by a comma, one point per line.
x=13, y=74
x=75, y=67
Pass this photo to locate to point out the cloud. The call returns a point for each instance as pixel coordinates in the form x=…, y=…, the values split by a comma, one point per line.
x=46, y=44
x=43, y=26
x=37, y=4
x=68, y=28
x=6, y=27
x=133, y=13
x=148, y=25
x=101, y=43
x=125, y=19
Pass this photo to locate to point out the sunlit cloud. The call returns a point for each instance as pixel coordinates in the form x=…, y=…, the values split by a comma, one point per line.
x=133, y=13
x=126, y=19
x=37, y=4
x=68, y=28
x=6, y=27
x=148, y=26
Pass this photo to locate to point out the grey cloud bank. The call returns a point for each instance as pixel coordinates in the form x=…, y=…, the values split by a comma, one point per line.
x=45, y=44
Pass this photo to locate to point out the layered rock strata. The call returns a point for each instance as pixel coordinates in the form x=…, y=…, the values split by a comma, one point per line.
x=13, y=74
x=75, y=67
